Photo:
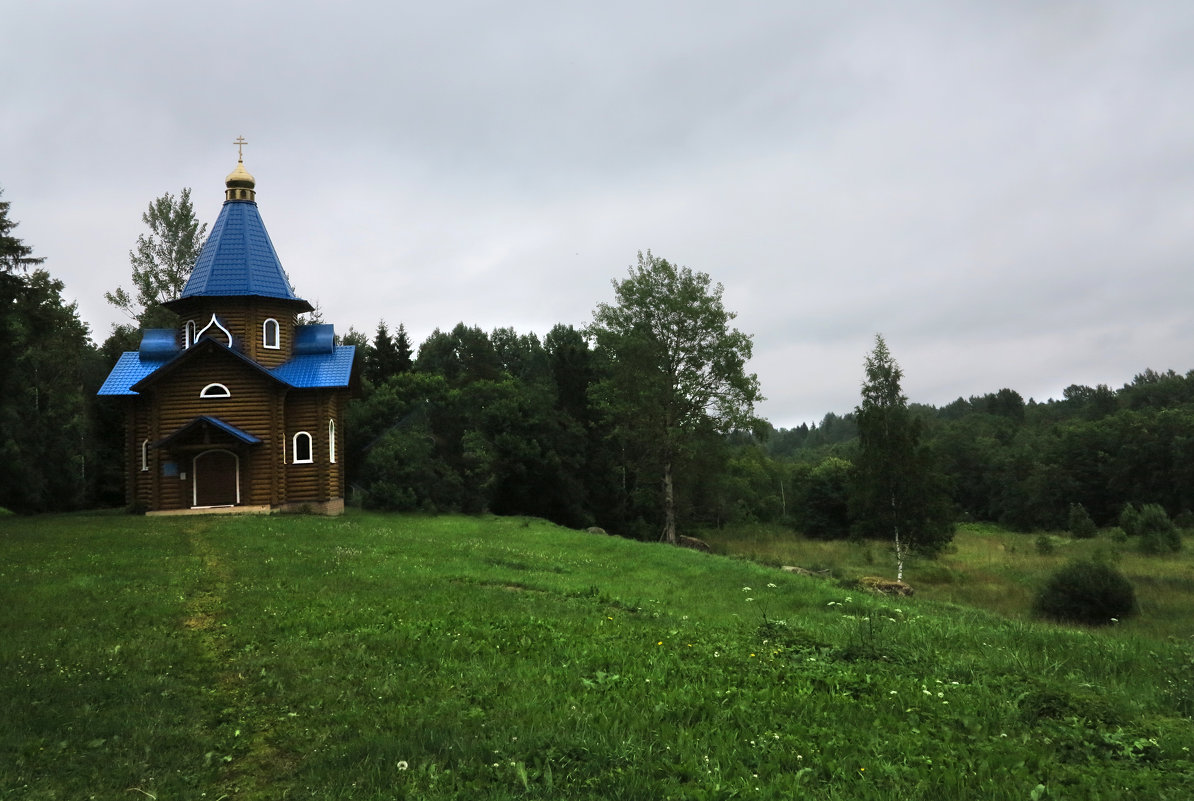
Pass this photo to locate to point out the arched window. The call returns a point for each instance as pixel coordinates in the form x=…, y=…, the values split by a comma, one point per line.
x=302, y=448
x=269, y=334
x=332, y=439
x=144, y=455
x=215, y=391
x=189, y=333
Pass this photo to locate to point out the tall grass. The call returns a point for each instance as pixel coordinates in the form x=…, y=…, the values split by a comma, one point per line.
x=987, y=567
x=377, y=657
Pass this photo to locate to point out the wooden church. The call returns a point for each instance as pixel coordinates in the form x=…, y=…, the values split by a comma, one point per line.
x=239, y=410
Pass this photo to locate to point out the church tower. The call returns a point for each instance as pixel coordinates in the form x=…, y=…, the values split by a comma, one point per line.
x=240, y=409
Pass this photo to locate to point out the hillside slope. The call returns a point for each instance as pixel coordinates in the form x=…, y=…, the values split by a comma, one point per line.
x=381, y=657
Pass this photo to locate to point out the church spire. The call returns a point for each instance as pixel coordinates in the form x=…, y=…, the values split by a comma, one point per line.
x=240, y=184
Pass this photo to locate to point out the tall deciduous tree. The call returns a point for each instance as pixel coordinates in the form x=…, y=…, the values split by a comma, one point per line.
x=162, y=261
x=897, y=491
x=677, y=368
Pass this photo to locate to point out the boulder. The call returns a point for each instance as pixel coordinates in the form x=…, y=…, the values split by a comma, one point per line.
x=884, y=586
x=595, y=530
x=694, y=543
x=799, y=571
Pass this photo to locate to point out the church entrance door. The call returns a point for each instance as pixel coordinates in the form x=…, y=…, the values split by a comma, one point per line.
x=216, y=477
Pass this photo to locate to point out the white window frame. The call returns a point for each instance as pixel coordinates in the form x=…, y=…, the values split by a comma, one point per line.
x=215, y=391
x=332, y=439
x=189, y=333
x=294, y=448
x=269, y=324
x=144, y=456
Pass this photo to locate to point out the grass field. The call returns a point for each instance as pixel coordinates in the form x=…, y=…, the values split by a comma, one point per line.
x=988, y=567
x=383, y=657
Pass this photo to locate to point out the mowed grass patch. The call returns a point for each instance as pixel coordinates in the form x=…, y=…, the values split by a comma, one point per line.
x=447, y=657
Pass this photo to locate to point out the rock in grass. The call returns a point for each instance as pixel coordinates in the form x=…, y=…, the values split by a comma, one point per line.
x=694, y=543
x=799, y=571
x=884, y=586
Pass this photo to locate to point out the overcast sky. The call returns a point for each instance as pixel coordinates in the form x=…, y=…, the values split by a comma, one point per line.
x=1004, y=190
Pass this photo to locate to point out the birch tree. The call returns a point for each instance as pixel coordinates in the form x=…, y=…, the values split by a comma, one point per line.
x=676, y=366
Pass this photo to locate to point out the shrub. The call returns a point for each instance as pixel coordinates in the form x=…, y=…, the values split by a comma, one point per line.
x=1129, y=520
x=1157, y=532
x=1093, y=593
x=1080, y=524
x=1044, y=545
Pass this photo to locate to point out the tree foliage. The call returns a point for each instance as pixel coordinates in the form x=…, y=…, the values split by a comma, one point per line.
x=46, y=387
x=15, y=255
x=897, y=491
x=162, y=261
x=676, y=367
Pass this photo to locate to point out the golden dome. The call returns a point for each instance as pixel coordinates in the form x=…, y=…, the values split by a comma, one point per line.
x=240, y=183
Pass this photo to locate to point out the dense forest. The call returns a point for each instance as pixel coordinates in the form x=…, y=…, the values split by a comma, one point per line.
x=505, y=422
x=511, y=423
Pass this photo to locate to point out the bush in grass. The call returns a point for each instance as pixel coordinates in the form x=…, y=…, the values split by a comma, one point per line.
x=1044, y=545
x=1080, y=524
x=1129, y=520
x=1093, y=593
x=1157, y=532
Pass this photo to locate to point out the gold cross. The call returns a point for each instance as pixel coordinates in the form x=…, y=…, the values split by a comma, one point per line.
x=240, y=143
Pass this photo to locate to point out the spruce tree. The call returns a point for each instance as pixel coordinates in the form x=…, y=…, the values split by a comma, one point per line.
x=897, y=490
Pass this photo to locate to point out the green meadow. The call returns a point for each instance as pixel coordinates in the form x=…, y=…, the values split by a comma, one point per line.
x=390, y=657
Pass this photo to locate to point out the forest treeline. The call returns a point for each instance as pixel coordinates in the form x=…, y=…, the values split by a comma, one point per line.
x=511, y=423
x=506, y=422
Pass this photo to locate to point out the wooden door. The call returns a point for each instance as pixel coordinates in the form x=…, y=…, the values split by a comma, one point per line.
x=217, y=478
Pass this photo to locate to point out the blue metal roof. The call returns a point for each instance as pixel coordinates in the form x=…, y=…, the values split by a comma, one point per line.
x=314, y=338
x=318, y=370
x=238, y=258
x=129, y=370
x=310, y=371
x=214, y=422
x=159, y=344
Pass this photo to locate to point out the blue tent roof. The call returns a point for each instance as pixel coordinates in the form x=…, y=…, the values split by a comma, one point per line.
x=238, y=259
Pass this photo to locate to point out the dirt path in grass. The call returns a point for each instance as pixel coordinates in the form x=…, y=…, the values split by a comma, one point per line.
x=252, y=767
